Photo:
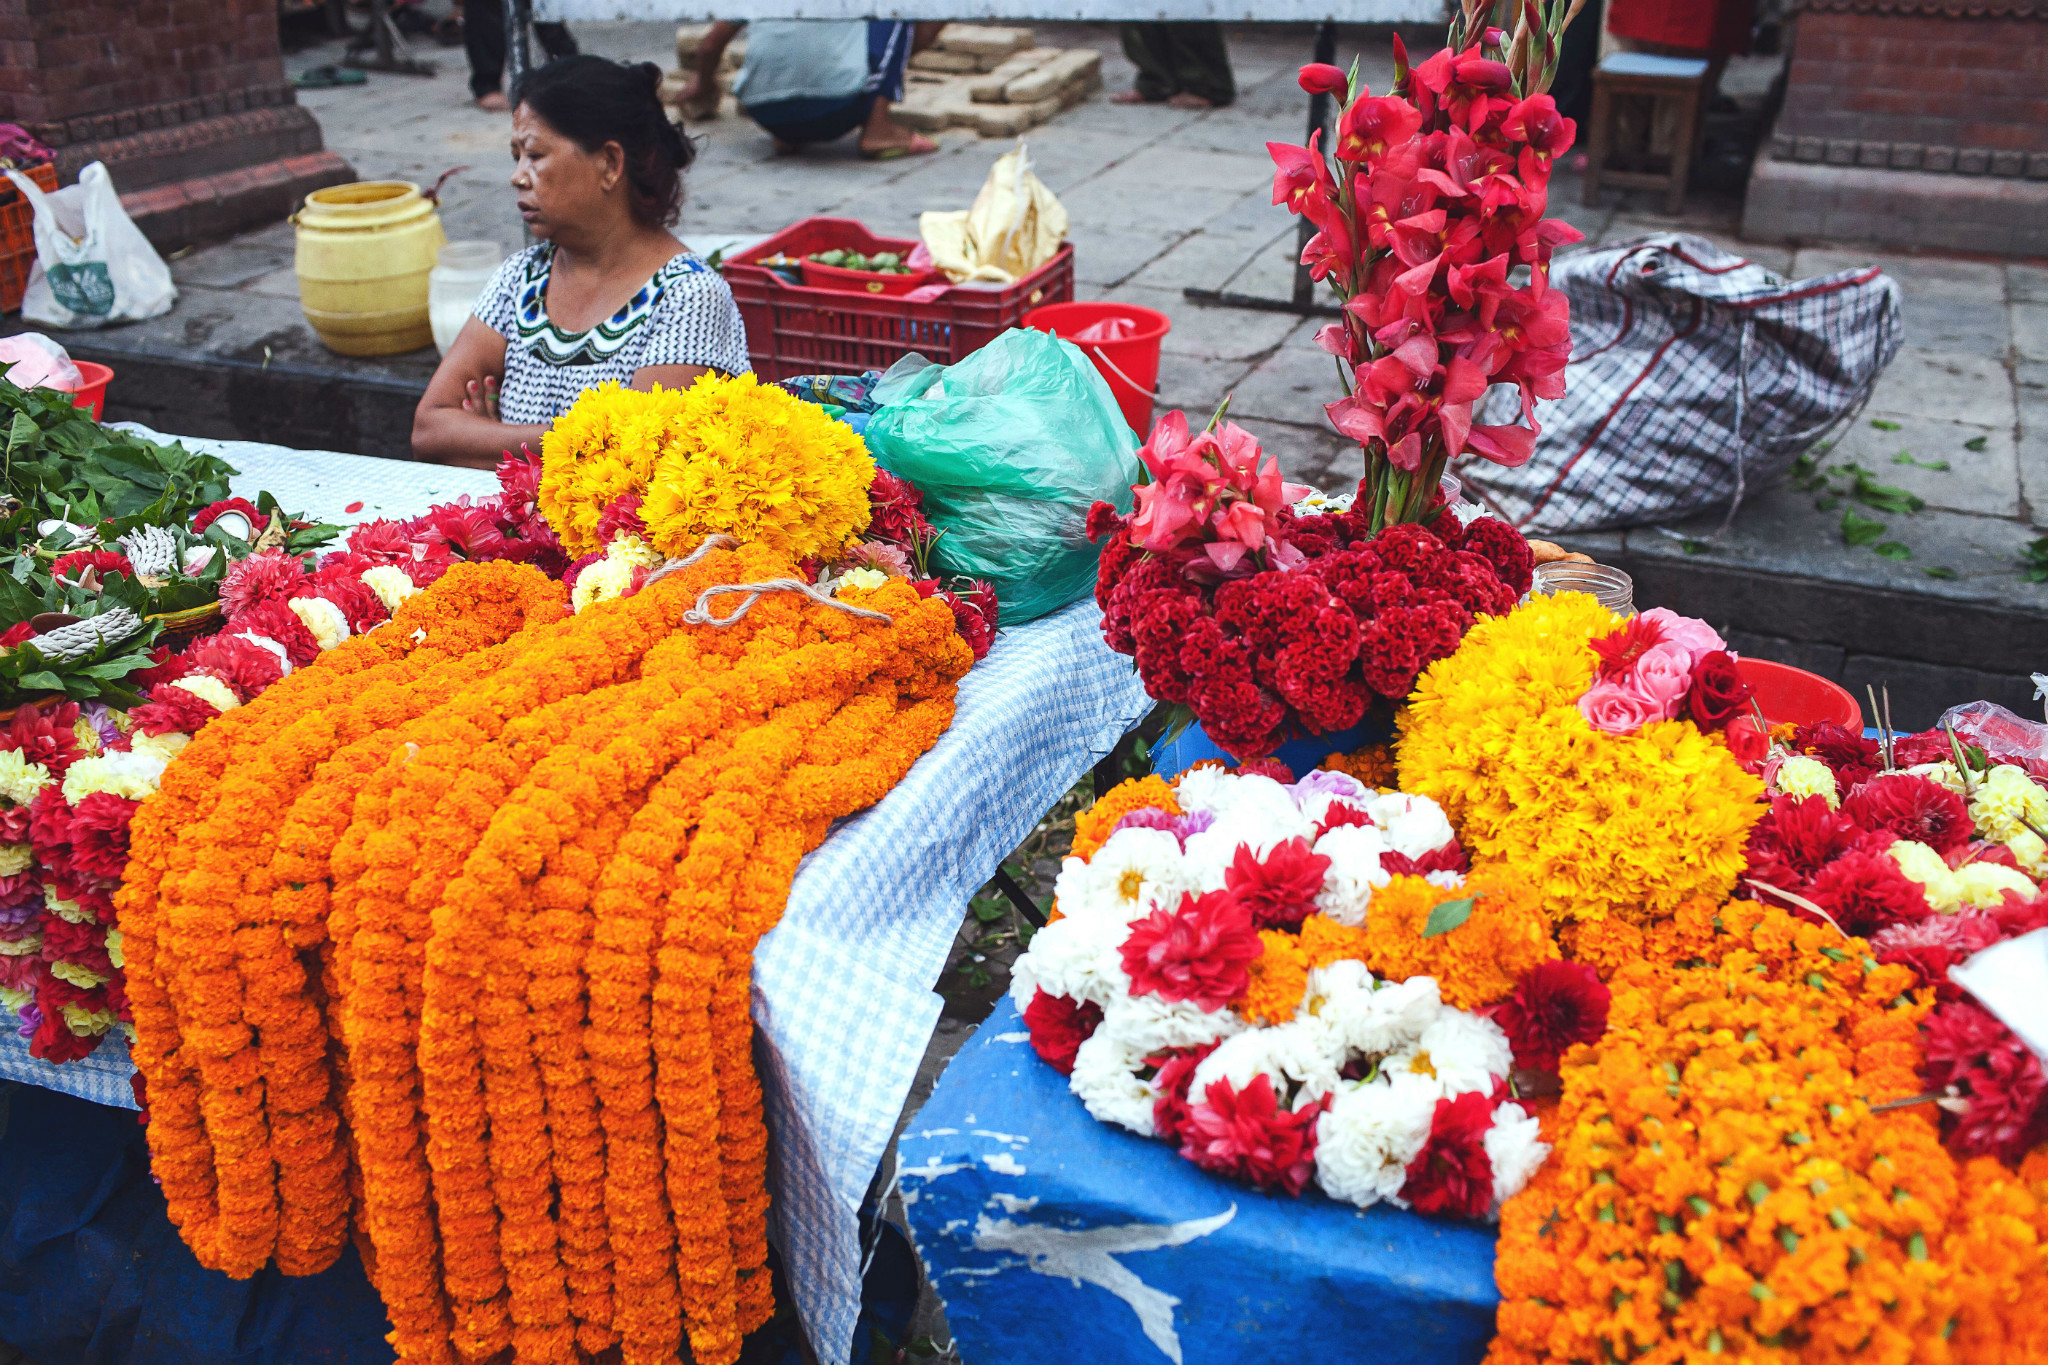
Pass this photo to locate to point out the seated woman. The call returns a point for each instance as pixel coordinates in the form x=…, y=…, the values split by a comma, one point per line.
x=609, y=293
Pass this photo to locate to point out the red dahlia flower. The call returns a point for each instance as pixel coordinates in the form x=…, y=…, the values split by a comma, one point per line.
x=1864, y=891
x=1247, y=1135
x=1555, y=1005
x=72, y=567
x=1279, y=890
x=1795, y=840
x=1849, y=755
x=1619, y=651
x=1059, y=1025
x=44, y=735
x=1174, y=1070
x=1970, y=1049
x=1911, y=807
x=273, y=620
x=172, y=709
x=243, y=665
x=621, y=517
x=1452, y=1173
x=1199, y=951
x=267, y=576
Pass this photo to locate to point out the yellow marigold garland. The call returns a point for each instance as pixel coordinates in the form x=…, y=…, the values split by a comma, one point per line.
x=1620, y=825
x=767, y=733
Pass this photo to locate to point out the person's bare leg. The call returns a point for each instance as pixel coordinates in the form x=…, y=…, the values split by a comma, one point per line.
x=1189, y=100
x=494, y=103
x=883, y=136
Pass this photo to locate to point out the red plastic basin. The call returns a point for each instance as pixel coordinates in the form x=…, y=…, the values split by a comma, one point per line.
x=1131, y=366
x=1793, y=696
x=818, y=275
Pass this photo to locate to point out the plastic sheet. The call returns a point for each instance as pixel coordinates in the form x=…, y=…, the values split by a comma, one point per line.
x=1053, y=1237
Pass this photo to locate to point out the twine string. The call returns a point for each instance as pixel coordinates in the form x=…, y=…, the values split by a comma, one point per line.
x=702, y=614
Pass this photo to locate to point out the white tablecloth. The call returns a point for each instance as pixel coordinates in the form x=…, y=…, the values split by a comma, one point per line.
x=843, y=985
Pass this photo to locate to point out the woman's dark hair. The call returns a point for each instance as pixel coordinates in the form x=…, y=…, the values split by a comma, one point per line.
x=594, y=100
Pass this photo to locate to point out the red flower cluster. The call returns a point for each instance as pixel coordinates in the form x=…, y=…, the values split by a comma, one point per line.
x=1433, y=199
x=1248, y=1135
x=1280, y=891
x=975, y=612
x=1970, y=1050
x=1274, y=651
x=1452, y=1173
x=508, y=526
x=100, y=562
x=1555, y=1005
x=1059, y=1026
x=895, y=510
x=1200, y=951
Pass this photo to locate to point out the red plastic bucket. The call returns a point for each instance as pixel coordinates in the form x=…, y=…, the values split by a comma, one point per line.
x=92, y=393
x=1792, y=696
x=1131, y=366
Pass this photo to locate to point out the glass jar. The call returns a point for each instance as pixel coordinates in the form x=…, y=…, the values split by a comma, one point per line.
x=455, y=284
x=1610, y=587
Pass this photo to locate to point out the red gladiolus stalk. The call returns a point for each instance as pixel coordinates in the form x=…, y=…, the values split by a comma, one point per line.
x=1428, y=202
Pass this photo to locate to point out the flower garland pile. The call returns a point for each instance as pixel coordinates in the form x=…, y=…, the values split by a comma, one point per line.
x=479, y=921
x=71, y=777
x=1607, y=825
x=1301, y=981
x=1932, y=850
x=1264, y=623
x=1727, y=1182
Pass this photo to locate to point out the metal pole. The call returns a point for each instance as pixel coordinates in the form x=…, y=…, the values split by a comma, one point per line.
x=1318, y=117
x=518, y=56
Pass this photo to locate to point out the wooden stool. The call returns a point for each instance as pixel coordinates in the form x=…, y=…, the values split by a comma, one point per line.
x=1682, y=79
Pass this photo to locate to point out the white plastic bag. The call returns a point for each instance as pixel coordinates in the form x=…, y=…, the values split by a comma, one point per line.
x=93, y=265
x=33, y=361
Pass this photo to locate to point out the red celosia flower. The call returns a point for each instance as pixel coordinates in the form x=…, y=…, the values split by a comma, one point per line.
x=273, y=620
x=1619, y=651
x=243, y=665
x=209, y=514
x=267, y=576
x=1452, y=1173
x=1267, y=767
x=1173, y=1071
x=1247, y=1135
x=1912, y=807
x=1279, y=890
x=1718, y=693
x=1970, y=1049
x=1199, y=951
x=1059, y=1025
x=44, y=735
x=172, y=709
x=102, y=562
x=1555, y=1005
x=1849, y=755
x=99, y=834
x=1864, y=891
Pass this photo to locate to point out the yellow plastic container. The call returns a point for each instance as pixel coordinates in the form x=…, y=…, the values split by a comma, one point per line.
x=364, y=251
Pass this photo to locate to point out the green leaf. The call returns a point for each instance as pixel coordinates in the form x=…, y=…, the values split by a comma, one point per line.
x=1943, y=572
x=40, y=680
x=1975, y=443
x=1892, y=549
x=1882, y=425
x=1938, y=466
x=1448, y=915
x=1858, y=529
x=1693, y=547
x=1827, y=504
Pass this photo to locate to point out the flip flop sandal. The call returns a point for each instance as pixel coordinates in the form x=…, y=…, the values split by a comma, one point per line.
x=328, y=78
x=898, y=153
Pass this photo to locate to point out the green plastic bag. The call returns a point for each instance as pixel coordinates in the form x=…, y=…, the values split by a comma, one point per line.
x=1011, y=447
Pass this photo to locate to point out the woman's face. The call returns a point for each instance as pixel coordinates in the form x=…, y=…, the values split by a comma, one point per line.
x=560, y=186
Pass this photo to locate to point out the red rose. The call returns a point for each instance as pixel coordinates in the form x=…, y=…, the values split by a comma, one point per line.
x=1247, y=1135
x=1718, y=692
x=1750, y=745
x=1200, y=951
x=1452, y=1173
x=1555, y=1005
x=1059, y=1025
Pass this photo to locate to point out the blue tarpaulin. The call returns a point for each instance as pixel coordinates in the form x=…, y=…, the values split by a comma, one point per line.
x=1051, y=1236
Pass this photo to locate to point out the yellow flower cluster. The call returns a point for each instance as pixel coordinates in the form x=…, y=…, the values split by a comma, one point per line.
x=1624, y=825
x=725, y=454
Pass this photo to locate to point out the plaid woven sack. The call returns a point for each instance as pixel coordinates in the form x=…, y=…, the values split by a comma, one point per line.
x=1695, y=377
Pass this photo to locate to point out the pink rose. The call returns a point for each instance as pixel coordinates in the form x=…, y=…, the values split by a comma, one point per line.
x=1616, y=709
x=1662, y=676
x=1695, y=636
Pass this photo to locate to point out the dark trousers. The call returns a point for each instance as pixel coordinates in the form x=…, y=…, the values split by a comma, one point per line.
x=1182, y=58
x=483, y=34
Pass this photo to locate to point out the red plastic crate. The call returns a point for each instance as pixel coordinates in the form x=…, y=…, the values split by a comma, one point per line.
x=794, y=330
x=17, y=234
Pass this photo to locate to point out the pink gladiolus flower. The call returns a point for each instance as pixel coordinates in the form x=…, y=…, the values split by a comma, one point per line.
x=1320, y=78
x=1371, y=128
x=1302, y=173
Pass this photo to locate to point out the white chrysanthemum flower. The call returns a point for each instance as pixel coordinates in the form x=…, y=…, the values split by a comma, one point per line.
x=867, y=580
x=20, y=779
x=1305, y=1052
x=605, y=581
x=1922, y=864
x=2005, y=801
x=1135, y=872
x=1803, y=776
x=390, y=583
x=1106, y=1079
x=1982, y=886
x=1516, y=1148
x=1204, y=789
x=1390, y=1019
x=129, y=774
x=1943, y=773
x=165, y=746
x=1336, y=981
x=1253, y=812
x=210, y=690
x=1414, y=825
x=15, y=858
x=1463, y=1052
x=2030, y=853
x=1367, y=1137
x=635, y=551
x=1149, y=1023
x=1354, y=853
x=1077, y=957
x=325, y=620
x=1446, y=880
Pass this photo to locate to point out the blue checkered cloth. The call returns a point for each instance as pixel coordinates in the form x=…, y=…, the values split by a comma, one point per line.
x=843, y=985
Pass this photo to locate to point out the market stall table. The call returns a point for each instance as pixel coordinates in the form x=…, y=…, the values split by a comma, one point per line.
x=1051, y=1236
x=842, y=987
